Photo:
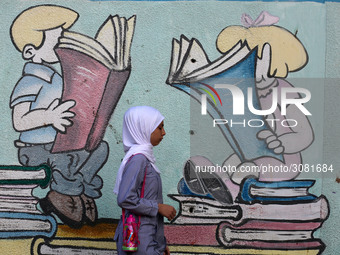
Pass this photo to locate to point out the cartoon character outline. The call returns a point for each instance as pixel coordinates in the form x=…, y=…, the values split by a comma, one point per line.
x=274, y=61
x=38, y=115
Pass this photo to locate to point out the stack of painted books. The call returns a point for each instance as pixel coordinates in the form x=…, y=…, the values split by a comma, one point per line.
x=275, y=217
x=19, y=215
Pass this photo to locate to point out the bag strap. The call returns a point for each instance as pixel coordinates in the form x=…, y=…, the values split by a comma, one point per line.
x=141, y=194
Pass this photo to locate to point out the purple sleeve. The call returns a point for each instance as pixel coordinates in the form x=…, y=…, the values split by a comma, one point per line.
x=130, y=188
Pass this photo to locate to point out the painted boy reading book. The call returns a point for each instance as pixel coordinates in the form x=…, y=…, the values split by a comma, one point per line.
x=39, y=115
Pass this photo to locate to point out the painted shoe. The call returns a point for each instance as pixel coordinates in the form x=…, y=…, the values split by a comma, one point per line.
x=183, y=189
x=198, y=177
x=192, y=179
x=90, y=208
x=69, y=209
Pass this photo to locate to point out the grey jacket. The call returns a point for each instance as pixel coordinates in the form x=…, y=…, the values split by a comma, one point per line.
x=151, y=231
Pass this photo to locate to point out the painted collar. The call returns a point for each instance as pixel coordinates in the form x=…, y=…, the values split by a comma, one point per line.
x=39, y=70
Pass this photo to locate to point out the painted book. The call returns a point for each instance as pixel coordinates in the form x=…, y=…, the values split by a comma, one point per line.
x=199, y=210
x=17, y=190
x=191, y=234
x=95, y=72
x=15, y=225
x=16, y=187
x=24, y=175
x=204, y=210
x=74, y=246
x=193, y=73
x=254, y=230
x=96, y=239
x=269, y=234
x=254, y=191
x=208, y=250
x=274, y=232
x=19, y=204
x=316, y=244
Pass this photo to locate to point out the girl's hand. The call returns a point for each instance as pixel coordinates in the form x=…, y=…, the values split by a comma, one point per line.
x=273, y=142
x=167, y=211
x=167, y=251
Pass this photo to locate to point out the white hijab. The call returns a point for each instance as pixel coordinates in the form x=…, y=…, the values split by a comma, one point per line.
x=138, y=124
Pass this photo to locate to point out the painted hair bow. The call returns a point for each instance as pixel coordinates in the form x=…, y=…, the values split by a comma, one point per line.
x=264, y=19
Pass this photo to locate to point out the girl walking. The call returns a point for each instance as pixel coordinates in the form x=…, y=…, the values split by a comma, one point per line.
x=143, y=128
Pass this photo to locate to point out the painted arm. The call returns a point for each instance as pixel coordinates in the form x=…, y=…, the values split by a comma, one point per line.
x=56, y=115
x=300, y=138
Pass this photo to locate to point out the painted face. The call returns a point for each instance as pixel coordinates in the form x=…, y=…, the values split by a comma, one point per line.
x=46, y=52
x=157, y=134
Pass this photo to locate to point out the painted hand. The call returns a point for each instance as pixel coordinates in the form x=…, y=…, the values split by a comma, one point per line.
x=58, y=114
x=273, y=142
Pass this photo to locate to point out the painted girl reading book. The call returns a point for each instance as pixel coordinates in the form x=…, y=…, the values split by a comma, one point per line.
x=256, y=55
x=279, y=52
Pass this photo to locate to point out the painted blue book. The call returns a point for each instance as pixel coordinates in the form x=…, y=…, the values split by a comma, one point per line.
x=26, y=225
x=294, y=191
x=218, y=85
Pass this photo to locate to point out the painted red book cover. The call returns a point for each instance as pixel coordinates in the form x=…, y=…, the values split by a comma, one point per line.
x=96, y=90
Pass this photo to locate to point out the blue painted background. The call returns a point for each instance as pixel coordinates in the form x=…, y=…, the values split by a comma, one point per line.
x=158, y=22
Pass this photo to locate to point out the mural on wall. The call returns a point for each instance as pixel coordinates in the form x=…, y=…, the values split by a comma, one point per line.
x=95, y=72
x=249, y=203
x=61, y=121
